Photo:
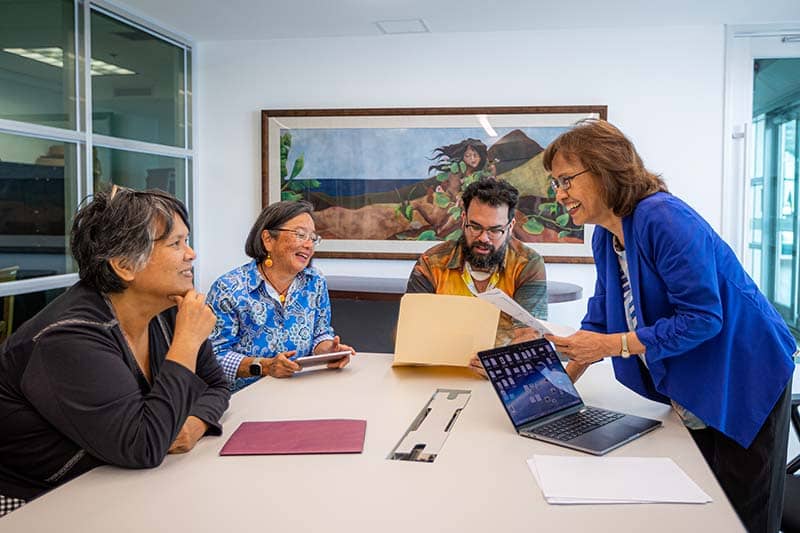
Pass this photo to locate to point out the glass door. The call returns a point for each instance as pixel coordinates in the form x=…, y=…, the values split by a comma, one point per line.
x=774, y=234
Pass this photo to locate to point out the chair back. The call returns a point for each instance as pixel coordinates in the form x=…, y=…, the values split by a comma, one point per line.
x=7, y=316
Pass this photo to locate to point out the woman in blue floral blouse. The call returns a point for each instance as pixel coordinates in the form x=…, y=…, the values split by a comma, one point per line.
x=276, y=307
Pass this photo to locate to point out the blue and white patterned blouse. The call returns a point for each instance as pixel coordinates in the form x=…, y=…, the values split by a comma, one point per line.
x=252, y=322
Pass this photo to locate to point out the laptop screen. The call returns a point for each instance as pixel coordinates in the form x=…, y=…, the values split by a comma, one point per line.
x=530, y=380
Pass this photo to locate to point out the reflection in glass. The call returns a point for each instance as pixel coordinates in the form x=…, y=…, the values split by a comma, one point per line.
x=147, y=105
x=784, y=266
x=140, y=171
x=37, y=85
x=37, y=195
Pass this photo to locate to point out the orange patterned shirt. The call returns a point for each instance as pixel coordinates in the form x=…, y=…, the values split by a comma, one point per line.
x=440, y=270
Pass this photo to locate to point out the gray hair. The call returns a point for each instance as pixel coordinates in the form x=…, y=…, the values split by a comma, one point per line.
x=121, y=223
x=271, y=218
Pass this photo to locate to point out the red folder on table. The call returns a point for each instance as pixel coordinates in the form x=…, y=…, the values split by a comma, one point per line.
x=297, y=437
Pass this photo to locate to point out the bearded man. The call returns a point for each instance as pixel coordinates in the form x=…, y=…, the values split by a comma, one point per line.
x=486, y=256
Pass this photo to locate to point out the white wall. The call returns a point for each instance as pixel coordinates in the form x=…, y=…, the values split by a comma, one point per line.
x=663, y=87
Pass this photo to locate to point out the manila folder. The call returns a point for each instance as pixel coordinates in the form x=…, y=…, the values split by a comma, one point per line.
x=439, y=329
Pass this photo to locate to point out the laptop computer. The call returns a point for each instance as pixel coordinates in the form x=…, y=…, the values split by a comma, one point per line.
x=543, y=404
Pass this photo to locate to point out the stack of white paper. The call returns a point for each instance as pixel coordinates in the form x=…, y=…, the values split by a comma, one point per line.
x=601, y=480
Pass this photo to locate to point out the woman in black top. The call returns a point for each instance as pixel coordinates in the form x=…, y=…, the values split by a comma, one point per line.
x=112, y=371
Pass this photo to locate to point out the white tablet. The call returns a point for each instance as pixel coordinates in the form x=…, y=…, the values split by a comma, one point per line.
x=321, y=359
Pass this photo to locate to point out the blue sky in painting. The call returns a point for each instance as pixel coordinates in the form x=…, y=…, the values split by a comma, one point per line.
x=384, y=153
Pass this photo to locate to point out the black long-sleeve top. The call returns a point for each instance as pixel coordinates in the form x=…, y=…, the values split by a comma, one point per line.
x=73, y=397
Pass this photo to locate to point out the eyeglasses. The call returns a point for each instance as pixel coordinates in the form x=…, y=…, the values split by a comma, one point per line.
x=303, y=236
x=494, y=232
x=565, y=182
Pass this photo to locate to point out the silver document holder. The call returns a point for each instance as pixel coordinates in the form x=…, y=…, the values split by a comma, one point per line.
x=425, y=437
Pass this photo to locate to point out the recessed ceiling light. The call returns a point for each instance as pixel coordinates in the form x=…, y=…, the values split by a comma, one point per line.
x=392, y=27
x=54, y=56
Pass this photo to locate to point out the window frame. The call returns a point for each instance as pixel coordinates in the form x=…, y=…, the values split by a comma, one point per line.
x=84, y=138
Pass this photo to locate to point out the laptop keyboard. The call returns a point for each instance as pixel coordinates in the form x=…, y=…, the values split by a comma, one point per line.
x=576, y=424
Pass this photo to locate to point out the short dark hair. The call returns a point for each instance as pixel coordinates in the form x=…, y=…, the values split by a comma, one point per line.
x=493, y=192
x=272, y=217
x=604, y=151
x=123, y=223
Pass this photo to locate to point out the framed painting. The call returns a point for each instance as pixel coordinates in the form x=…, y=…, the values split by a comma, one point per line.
x=386, y=183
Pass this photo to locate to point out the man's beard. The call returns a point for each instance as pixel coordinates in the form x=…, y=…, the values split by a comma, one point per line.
x=483, y=262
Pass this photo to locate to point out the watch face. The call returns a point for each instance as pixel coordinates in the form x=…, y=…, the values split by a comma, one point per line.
x=255, y=368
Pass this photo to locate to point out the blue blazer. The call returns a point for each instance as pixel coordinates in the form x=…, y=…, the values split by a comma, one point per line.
x=714, y=343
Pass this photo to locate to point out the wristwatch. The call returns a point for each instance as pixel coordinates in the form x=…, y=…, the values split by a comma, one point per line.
x=255, y=366
x=625, y=353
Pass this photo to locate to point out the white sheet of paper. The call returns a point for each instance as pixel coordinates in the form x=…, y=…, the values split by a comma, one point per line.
x=570, y=501
x=439, y=329
x=603, y=480
x=507, y=304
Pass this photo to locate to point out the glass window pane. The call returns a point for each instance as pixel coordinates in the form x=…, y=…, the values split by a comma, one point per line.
x=758, y=158
x=37, y=62
x=757, y=269
x=137, y=84
x=140, y=171
x=37, y=201
x=188, y=113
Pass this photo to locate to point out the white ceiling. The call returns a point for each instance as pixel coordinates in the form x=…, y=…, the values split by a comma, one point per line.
x=216, y=20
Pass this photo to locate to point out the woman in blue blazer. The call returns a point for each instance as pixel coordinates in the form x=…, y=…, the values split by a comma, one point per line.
x=684, y=323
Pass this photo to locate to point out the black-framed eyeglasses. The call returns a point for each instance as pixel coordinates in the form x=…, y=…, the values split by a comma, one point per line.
x=303, y=236
x=494, y=232
x=564, y=182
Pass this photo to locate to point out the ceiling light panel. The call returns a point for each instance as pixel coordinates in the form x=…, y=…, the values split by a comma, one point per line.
x=393, y=27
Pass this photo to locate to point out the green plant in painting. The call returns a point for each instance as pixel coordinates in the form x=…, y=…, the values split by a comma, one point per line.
x=291, y=187
x=548, y=216
x=404, y=208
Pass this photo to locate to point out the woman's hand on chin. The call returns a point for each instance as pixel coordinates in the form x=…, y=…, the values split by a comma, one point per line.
x=195, y=319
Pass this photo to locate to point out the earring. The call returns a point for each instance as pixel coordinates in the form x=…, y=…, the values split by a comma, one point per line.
x=268, y=261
